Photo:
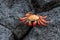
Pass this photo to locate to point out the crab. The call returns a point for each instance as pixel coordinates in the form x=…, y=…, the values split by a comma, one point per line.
x=32, y=19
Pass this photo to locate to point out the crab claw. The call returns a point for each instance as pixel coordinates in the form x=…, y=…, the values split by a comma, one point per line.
x=34, y=23
x=29, y=24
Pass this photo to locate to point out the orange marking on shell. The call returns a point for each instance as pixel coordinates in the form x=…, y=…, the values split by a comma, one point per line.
x=33, y=17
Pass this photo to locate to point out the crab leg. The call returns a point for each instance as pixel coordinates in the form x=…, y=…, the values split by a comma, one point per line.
x=28, y=14
x=22, y=18
x=42, y=23
x=29, y=23
x=25, y=23
x=44, y=20
x=34, y=23
x=39, y=23
x=42, y=17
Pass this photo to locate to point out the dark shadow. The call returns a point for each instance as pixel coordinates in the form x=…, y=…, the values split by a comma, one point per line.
x=46, y=7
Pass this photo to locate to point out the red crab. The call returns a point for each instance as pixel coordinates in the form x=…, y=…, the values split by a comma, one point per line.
x=32, y=19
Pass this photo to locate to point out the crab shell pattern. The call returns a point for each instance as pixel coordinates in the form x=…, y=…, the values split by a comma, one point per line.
x=32, y=19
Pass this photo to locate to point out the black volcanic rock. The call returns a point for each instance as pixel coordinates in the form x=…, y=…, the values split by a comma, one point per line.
x=50, y=32
x=11, y=10
x=9, y=16
x=5, y=33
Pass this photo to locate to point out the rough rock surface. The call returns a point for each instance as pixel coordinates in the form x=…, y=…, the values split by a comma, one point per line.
x=11, y=10
x=44, y=5
x=52, y=31
x=5, y=34
x=9, y=16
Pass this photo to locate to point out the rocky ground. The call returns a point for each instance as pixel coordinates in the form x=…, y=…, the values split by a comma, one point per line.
x=11, y=10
